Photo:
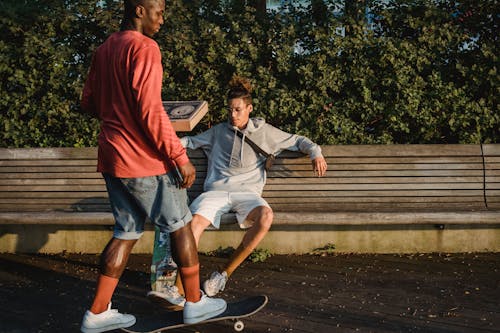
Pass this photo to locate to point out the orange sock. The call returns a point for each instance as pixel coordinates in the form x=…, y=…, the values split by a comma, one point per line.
x=105, y=288
x=191, y=281
x=178, y=284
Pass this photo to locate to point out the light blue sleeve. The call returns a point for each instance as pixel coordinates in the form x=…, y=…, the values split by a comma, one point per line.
x=293, y=142
x=203, y=140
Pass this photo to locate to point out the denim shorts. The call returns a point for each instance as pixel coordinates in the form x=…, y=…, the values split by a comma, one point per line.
x=213, y=204
x=157, y=198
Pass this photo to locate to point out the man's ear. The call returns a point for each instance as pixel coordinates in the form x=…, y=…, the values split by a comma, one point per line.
x=251, y=107
x=139, y=11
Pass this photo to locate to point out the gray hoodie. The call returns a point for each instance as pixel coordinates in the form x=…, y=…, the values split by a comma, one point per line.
x=234, y=167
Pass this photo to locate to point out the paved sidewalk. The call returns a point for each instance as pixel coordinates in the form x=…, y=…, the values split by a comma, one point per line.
x=336, y=293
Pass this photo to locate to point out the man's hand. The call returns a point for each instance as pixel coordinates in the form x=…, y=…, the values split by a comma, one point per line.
x=319, y=166
x=188, y=173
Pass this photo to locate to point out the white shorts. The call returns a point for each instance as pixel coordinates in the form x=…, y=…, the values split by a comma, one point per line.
x=213, y=204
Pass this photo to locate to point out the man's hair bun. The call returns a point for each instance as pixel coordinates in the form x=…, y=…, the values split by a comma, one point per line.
x=240, y=87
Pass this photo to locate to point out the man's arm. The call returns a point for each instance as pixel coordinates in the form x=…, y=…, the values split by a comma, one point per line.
x=203, y=140
x=294, y=142
x=146, y=83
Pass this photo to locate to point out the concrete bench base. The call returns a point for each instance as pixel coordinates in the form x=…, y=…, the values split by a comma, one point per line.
x=281, y=239
x=377, y=232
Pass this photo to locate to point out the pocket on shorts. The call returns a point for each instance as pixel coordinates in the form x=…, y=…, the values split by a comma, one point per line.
x=140, y=185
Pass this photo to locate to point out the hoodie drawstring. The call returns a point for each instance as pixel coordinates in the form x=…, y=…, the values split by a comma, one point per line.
x=232, y=149
x=242, y=145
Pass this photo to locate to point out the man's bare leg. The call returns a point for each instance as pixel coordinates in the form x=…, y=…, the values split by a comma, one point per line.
x=197, y=307
x=113, y=260
x=262, y=218
x=198, y=225
x=186, y=256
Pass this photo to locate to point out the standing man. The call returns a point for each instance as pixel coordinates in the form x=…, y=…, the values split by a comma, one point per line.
x=138, y=155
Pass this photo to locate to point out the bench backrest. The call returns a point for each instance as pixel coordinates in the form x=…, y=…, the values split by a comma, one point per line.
x=360, y=177
x=390, y=177
x=491, y=155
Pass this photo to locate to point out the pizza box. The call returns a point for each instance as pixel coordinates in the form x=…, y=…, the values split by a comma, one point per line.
x=184, y=115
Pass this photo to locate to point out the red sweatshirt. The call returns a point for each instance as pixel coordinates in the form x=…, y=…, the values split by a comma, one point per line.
x=124, y=90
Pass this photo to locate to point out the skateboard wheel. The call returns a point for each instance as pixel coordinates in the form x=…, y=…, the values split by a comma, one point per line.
x=239, y=326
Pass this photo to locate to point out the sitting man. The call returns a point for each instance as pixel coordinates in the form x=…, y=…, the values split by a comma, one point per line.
x=235, y=179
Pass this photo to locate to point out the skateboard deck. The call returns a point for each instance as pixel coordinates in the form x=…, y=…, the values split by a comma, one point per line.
x=184, y=116
x=163, y=267
x=172, y=320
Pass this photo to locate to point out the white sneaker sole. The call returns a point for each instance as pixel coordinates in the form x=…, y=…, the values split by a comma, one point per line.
x=108, y=328
x=205, y=316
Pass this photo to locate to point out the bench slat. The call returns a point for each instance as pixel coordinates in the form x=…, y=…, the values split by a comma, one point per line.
x=48, y=153
x=289, y=207
x=325, y=187
x=334, y=150
x=403, y=150
x=392, y=193
x=58, y=163
x=52, y=181
x=332, y=168
x=64, y=185
x=295, y=218
x=53, y=188
x=49, y=163
x=60, y=208
x=378, y=173
x=379, y=199
x=387, y=218
x=374, y=180
x=34, y=195
x=50, y=175
x=362, y=195
x=381, y=160
x=43, y=169
x=278, y=200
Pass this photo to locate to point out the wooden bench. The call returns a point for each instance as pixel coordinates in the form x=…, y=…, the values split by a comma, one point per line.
x=365, y=185
x=60, y=185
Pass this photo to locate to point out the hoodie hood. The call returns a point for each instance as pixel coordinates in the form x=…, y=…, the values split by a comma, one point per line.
x=254, y=125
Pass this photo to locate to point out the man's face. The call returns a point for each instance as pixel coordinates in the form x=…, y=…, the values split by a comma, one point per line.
x=239, y=112
x=152, y=16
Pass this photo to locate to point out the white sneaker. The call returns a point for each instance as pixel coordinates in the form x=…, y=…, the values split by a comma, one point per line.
x=168, y=296
x=205, y=309
x=215, y=284
x=105, y=321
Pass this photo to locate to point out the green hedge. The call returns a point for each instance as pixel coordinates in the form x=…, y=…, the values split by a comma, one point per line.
x=418, y=72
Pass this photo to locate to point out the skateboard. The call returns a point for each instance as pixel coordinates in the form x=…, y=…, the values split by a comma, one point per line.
x=163, y=267
x=184, y=115
x=172, y=320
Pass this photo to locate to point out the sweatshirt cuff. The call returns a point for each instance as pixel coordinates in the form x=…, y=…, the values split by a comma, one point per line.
x=184, y=141
x=316, y=153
